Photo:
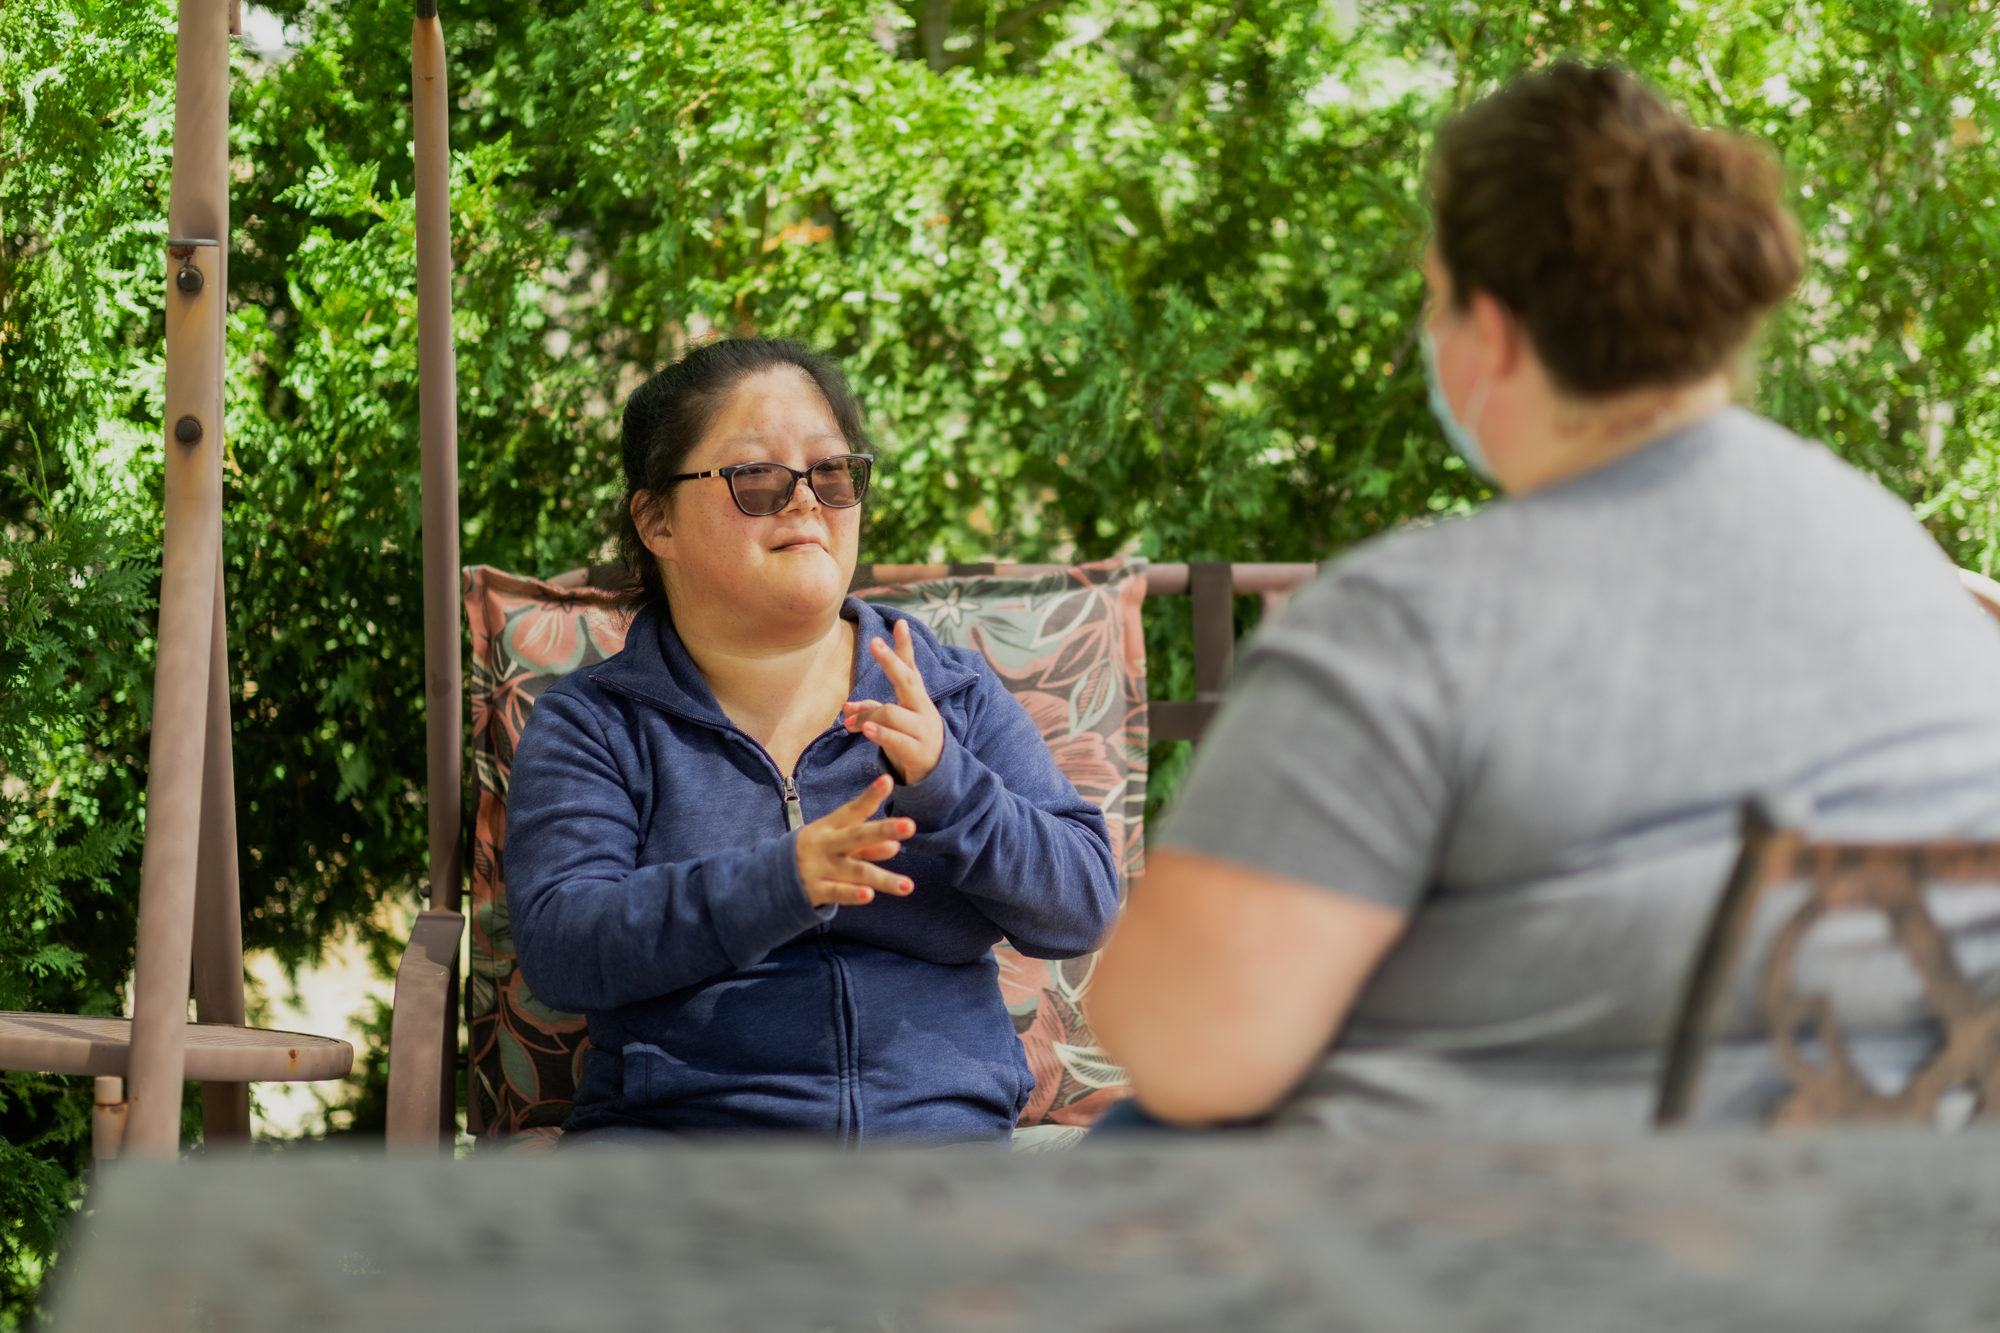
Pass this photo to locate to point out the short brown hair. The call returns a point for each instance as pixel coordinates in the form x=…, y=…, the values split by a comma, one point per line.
x=1637, y=250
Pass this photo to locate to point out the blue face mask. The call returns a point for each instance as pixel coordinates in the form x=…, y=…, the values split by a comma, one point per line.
x=1461, y=436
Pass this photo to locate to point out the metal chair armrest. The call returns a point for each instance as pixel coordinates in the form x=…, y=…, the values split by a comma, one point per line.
x=423, y=1036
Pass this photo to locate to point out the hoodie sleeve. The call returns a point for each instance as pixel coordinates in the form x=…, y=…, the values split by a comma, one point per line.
x=1031, y=853
x=592, y=928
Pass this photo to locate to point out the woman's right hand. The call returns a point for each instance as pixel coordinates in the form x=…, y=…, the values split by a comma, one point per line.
x=835, y=850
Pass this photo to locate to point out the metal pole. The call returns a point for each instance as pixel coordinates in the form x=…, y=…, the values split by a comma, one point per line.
x=218, y=911
x=198, y=230
x=423, y=1041
x=437, y=401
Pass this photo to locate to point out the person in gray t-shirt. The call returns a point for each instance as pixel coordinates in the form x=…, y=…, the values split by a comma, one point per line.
x=1475, y=793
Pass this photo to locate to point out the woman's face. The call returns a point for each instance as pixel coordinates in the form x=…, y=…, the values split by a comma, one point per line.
x=791, y=566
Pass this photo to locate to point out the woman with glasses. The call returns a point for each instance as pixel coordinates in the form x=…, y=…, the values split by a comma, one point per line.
x=768, y=847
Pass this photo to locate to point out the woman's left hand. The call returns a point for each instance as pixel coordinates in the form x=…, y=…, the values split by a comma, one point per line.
x=909, y=731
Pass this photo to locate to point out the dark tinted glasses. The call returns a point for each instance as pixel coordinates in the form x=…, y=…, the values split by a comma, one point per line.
x=763, y=489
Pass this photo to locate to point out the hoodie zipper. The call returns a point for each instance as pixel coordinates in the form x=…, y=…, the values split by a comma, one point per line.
x=845, y=1026
x=795, y=817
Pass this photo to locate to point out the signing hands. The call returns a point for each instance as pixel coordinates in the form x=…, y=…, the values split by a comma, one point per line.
x=835, y=851
x=909, y=731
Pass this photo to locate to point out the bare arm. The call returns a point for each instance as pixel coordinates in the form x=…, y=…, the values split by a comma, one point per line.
x=1222, y=984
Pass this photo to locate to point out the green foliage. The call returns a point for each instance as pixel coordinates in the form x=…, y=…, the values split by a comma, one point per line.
x=1109, y=277
x=82, y=120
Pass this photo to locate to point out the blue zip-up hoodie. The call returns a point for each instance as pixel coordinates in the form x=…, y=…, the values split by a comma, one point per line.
x=653, y=886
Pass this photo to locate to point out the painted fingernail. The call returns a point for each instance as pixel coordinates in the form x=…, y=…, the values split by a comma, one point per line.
x=906, y=885
x=867, y=895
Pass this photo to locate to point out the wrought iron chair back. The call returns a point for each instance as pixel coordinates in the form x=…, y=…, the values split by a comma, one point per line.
x=1892, y=879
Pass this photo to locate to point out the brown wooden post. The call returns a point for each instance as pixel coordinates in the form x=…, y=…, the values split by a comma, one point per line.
x=218, y=910
x=1212, y=590
x=423, y=1038
x=437, y=398
x=198, y=232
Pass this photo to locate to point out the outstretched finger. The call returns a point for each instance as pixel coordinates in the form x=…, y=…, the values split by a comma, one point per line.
x=854, y=711
x=894, y=716
x=884, y=881
x=845, y=895
x=846, y=840
x=872, y=879
x=857, y=810
x=909, y=681
x=890, y=717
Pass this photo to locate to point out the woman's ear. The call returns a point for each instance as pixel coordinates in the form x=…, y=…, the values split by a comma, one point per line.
x=651, y=516
x=1502, y=340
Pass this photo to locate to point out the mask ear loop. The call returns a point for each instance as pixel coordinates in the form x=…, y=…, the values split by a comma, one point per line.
x=1477, y=407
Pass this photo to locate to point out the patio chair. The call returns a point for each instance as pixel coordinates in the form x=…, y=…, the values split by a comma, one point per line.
x=190, y=925
x=1065, y=639
x=1796, y=918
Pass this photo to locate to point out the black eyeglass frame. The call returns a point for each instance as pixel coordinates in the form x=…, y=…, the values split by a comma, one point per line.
x=792, y=486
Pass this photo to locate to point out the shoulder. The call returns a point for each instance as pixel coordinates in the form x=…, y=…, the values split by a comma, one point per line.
x=1400, y=580
x=965, y=683
x=604, y=688
x=576, y=694
x=577, y=711
x=1733, y=467
x=1734, y=482
x=1784, y=464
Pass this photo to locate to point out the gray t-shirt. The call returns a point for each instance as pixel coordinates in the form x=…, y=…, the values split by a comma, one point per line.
x=1533, y=729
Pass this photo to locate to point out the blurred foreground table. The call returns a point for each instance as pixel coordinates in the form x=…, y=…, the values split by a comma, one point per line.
x=1859, y=1231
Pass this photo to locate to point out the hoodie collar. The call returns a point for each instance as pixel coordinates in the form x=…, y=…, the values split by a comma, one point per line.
x=654, y=666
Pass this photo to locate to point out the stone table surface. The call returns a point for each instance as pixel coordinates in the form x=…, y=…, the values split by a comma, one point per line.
x=1890, y=1231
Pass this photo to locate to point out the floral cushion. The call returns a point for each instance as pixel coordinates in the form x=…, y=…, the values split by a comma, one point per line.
x=1070, y=648
x=526, y=635
x=1067, y=644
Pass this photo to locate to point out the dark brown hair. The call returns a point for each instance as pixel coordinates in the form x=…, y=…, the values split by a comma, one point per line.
x=1637, y=250
x=666, y=417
